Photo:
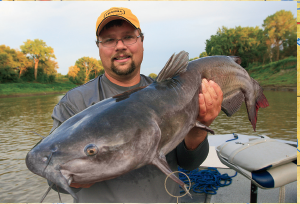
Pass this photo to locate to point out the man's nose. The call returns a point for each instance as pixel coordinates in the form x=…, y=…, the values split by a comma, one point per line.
x=120, y=45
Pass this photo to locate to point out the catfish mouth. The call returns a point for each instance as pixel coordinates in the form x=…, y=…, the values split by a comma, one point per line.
x=37, y=165
x=60, y=180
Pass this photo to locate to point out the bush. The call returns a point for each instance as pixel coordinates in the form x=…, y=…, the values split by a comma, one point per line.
x=7, y=74
x=42, y=77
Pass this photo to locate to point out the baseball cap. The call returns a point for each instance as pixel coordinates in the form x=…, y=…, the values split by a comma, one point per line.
x=116, y=13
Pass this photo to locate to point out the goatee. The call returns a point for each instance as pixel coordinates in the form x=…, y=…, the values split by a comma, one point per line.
x=123, y=72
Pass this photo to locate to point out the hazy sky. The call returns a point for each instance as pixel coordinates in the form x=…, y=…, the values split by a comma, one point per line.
x=169, y=27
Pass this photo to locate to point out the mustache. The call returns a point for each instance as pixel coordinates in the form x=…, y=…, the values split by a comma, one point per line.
x=121, y=53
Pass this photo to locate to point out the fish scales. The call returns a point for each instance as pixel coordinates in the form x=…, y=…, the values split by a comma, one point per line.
x=141, y=126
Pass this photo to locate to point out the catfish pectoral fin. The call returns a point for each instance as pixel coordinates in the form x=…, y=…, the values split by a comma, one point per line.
x=232, y=102
x=204, y=127
x=163, y=165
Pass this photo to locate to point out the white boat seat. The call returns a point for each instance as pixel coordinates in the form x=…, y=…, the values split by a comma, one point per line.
x=266, y=162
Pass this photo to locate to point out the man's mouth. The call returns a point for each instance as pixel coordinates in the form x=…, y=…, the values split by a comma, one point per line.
x=121, y=58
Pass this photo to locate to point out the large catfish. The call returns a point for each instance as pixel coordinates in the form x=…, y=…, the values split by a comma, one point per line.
x=141, y=126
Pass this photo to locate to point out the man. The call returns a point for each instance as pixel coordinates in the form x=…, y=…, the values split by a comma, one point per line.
x=120, y=43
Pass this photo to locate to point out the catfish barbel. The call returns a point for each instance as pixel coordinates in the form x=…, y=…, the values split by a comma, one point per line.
x=141, y=126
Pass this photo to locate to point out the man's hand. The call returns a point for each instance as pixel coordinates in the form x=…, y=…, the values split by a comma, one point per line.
x=210, y=101
x=77, y=185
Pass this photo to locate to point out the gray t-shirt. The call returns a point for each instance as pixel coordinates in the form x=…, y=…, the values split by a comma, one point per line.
x=143, y=185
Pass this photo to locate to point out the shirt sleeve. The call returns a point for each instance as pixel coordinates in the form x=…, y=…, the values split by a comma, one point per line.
x=61, y=112
x=192, y=159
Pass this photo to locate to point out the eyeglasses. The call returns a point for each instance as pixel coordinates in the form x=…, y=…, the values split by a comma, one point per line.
x=112, y=42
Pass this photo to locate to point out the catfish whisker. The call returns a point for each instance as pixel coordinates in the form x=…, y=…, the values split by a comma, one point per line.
x=58, y=193
x=48, y=162
x=44, y=196
x=38, y=134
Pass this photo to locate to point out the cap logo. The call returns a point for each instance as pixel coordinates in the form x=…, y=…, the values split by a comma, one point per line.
x=115, y=12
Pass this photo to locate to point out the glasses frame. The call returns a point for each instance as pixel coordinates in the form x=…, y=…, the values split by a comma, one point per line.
x=97, y=42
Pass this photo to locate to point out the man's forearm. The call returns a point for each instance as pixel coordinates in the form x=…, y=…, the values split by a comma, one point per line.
x=194, y=138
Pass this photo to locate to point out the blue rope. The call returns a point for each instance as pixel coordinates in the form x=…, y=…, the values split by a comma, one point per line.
x=235, y=137
x=205, y=181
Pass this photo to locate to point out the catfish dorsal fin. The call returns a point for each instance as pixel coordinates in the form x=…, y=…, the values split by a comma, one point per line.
x=237, y=59
x=176, y=64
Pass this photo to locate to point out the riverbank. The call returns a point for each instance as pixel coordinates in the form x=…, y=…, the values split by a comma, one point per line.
x=31, y=89
x=22, y=90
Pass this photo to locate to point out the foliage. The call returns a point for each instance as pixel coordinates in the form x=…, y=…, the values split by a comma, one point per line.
x=203, y=54
x=42, y=77
x=38, y=50
x=282, y=72
x=73, y=71
x=245, y=42
x=191, y=59
x=152, y=75
x=7, y=74
x=49, y=66
x=254, y=45
x=85, y=69
x=280, y=29
x=14, y=59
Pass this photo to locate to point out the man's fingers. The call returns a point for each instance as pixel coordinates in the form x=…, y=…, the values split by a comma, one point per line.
x=212, y=90
x=206, y=93
x=217, y=89
x=202, y=105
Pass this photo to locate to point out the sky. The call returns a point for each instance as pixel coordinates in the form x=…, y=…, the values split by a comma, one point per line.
x=169, y=27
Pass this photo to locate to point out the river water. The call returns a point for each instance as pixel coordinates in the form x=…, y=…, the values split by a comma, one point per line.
x=20, y=116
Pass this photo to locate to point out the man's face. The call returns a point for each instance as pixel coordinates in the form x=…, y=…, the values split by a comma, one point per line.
x=121, y=60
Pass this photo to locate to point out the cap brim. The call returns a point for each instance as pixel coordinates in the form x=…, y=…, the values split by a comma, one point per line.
x=107, y=20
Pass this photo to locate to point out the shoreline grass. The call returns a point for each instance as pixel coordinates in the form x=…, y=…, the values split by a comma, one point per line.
x=33, y=88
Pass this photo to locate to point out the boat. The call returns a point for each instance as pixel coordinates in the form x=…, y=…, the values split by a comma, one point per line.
x=266, y=170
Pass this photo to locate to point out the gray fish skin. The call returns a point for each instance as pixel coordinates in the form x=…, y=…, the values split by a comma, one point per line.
x=141, y=126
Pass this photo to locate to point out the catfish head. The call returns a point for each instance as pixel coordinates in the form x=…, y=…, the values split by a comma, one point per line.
x=105, y=151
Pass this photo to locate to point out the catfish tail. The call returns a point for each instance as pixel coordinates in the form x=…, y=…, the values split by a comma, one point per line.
x=260, y=101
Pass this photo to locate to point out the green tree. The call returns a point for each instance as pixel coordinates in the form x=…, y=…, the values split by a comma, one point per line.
x=191, y=59
x=38, y=50
x=88, y=66
x=98, y=70
x=245, y=42
x=152, y=75
x=203, y=54
x=14, y=59
x=49, y=66
x=279, y=28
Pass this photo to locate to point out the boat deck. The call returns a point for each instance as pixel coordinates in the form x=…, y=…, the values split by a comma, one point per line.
x=239, y=192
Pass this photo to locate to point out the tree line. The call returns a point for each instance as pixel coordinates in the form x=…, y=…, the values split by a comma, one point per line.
x=33, y=62
x=275, y=41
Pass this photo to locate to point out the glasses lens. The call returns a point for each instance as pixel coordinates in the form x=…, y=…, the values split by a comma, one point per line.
x=110, y=42
x=129, y=40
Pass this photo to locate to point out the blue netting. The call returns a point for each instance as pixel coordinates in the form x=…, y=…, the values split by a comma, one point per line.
x=205, y=181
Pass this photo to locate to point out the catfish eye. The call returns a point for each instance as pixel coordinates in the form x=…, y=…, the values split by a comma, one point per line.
x=91, y=149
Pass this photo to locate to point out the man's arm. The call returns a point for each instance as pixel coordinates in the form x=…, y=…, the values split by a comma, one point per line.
x=210, y=101
x=194, y=149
